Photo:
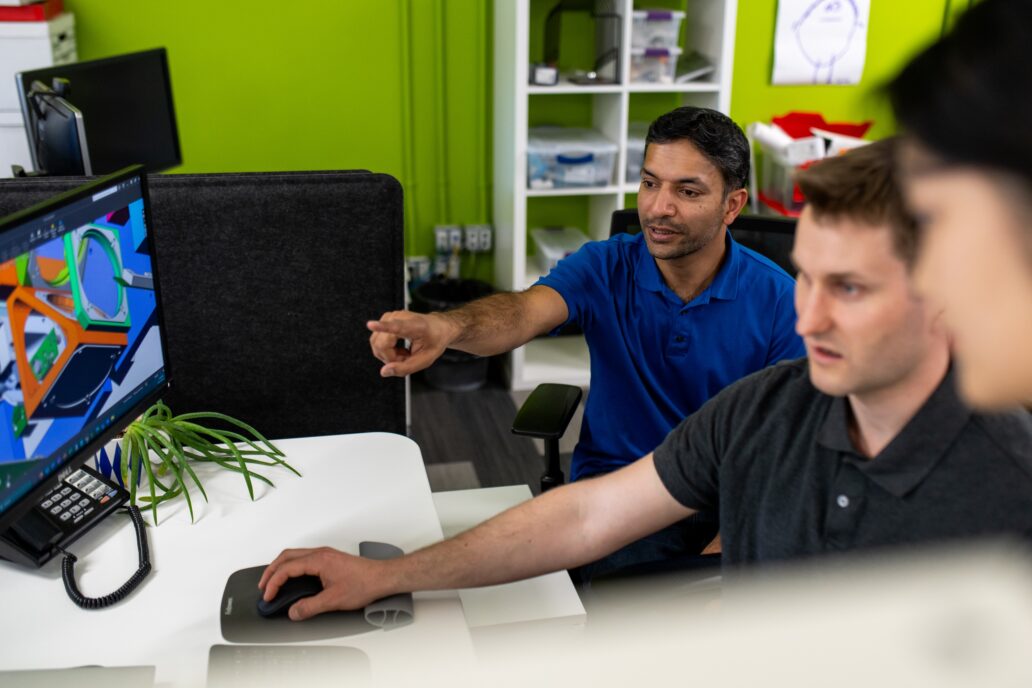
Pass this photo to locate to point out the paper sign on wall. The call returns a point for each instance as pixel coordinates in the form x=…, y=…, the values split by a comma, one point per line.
x=820, y=41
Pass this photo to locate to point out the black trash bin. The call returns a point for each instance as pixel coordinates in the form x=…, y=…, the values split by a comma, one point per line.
x=454, y=371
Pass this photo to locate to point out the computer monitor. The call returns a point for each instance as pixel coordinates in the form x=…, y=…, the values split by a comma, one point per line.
x=82, y=353
x=127, y=108
x=57, y=133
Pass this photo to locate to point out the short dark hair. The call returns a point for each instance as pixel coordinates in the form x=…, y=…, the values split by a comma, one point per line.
x=968, y=96
x=716, y=136
x=861, y=185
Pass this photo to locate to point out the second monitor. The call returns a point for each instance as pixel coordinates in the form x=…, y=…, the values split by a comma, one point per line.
x=126, y=112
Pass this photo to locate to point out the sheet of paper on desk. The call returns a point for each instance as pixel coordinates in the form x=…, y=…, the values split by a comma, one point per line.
x=820, y=41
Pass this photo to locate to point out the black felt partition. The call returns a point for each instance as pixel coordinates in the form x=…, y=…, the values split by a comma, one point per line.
x=267, y=281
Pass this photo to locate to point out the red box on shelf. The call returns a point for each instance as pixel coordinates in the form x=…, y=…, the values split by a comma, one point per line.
x=37, y=11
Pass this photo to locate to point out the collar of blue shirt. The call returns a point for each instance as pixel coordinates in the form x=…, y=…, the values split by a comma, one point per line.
x=724, y=285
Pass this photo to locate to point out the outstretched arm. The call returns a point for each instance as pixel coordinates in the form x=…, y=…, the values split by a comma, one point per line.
x=491, y=325
x=565, y=527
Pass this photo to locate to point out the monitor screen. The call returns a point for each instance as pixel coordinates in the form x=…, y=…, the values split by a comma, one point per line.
x=126, y=104
x=81, y=345
x=58, y=133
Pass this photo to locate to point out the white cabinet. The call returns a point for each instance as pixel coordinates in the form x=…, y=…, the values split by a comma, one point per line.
x=708, y=27
x=24, y=46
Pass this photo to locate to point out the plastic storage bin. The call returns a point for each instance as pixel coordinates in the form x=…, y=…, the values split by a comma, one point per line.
x=568, y=156
x=654, y=65
x=552, y=244
x=655, y=28
x=636, y=132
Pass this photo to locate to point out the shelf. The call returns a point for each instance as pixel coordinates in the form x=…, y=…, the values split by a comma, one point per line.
x=690, y=87
x=563, y=360
x=575, y=191
x=709, y=28
x=565, y=87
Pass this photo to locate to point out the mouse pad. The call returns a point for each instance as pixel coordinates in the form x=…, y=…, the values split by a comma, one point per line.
x=242, y=624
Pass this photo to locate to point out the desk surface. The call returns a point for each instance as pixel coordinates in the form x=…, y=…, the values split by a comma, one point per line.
x=354, y=487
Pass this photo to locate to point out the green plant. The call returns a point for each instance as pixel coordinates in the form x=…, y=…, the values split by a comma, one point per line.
x=161, y=447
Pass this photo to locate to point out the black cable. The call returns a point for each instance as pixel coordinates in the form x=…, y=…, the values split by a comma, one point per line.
x=68, y=573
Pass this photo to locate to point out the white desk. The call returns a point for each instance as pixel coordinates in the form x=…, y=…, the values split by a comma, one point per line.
x=355, y=487
x=550, y=597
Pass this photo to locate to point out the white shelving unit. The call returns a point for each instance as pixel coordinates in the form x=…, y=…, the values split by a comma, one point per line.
x=709, y=28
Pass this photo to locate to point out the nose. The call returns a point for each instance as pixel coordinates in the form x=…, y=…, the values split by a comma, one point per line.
x=812, y=314
x=659, y=204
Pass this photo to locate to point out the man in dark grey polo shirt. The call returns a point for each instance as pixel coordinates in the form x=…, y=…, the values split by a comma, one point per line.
x=862, y=444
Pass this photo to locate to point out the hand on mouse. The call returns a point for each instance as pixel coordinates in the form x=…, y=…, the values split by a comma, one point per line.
x=348, y=582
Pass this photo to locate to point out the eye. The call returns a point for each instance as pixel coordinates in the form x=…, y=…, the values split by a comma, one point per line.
x=689, y=193
x=849, y=289
x=648, y=183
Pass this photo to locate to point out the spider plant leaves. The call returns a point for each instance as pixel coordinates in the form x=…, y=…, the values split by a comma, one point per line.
x=161, y=445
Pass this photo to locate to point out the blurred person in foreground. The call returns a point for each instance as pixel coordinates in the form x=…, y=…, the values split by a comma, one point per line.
x=965, y=105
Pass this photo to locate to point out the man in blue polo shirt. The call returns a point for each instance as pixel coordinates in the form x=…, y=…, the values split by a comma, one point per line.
x=671, y=316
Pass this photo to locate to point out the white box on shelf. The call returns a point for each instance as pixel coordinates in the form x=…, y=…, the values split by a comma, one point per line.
x=552, y=244
x=654, y=65
x=568, y=157
x=636, y=133
x=27, y=45
x=14, y=145
x=655, y=28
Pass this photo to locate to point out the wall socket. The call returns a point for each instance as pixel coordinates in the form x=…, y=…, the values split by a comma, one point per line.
x=447, y=237
x=478, y=238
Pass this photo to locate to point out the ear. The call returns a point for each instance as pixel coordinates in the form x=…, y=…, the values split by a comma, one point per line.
x=734, y=204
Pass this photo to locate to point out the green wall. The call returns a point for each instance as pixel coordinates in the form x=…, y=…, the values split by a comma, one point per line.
x=395, y=86
x=404, y=86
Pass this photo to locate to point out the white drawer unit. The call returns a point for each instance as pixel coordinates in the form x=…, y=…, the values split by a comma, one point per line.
x=26, y=45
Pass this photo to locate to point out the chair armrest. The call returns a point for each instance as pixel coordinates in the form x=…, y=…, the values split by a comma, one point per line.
x=547, y=411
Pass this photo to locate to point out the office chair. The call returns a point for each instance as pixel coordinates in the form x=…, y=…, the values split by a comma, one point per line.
x=267, y=280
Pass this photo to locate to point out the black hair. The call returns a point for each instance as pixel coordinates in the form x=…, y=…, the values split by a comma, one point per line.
x=714, y=134
x=968, y=96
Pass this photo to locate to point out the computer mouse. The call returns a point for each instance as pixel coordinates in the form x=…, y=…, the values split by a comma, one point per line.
x=291, y=591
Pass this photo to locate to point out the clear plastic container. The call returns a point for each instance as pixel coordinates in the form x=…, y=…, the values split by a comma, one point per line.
x=655, y=28
x=552, y=244
x=654, y=65
x=636, y=132
x=568, y=156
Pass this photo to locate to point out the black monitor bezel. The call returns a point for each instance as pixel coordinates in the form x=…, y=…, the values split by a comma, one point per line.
x=23, y=80
x=55, y=102
x=28, y=500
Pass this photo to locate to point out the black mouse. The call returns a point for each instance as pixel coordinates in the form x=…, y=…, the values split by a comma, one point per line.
x=291, y=591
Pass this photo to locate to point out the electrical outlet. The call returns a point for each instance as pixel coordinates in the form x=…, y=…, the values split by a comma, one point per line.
x=478, y=238
x=486, y=238
x=441, y=238
x=472, y=238
x=454, y=237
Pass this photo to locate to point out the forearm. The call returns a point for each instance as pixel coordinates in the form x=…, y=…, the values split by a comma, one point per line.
x=499, y=323
x=539, y=536
x=563, y=528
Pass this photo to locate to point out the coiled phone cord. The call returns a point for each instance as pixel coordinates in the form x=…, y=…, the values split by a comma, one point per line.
x=68, y=566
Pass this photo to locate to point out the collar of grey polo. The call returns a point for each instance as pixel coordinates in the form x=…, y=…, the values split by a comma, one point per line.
x=724, y=285
x=915, y=451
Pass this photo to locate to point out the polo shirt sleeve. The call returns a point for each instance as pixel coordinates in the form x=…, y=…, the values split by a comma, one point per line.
x=581, y=279
x=688, y=460
x=785, y=344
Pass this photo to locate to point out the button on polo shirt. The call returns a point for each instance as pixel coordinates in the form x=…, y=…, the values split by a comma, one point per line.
x=774, y=455
x=654, y=358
